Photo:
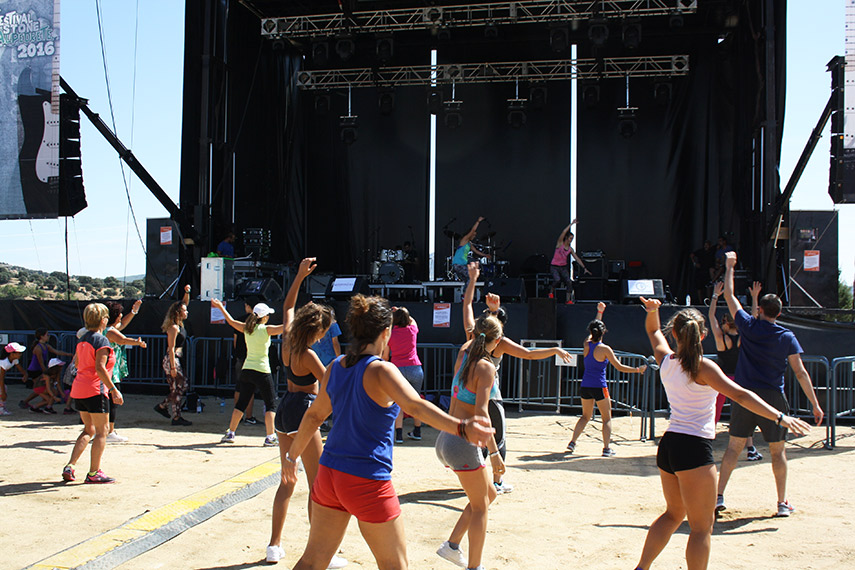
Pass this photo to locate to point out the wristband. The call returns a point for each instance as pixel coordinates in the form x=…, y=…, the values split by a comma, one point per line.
x=461, y=429
x=134, y=312
x=288, y=457
x=494, y=454
x=780, y=417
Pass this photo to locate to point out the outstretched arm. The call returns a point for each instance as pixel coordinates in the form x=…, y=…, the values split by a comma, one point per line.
x=507, y=346
x=468, y=297
x=716, y=330
x=471, y=233
x=237, y=325
x=579, y=261
x=126, y=319
x=732, y=302
x=610, y=356
x=652, y=327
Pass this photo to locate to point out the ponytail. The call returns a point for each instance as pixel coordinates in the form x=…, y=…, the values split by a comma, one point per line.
x=596, y=329
x=367, y=318
x=689, y=328
x=310, y=322
x=250, y=324
x=487, y=329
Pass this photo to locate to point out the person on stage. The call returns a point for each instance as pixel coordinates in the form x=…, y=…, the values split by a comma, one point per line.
x=226, y=248
x=461, y=255
x=354, y=477
x=559, y=266
x=597, y=357
x=684, y=457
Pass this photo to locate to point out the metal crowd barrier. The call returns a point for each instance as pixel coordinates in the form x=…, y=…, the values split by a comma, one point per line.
x=841, y=400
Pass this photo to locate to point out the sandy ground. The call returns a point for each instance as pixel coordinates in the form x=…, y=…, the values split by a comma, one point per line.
x=579, y=511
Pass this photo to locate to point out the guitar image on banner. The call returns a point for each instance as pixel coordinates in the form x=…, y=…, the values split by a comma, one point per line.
x=38, y=159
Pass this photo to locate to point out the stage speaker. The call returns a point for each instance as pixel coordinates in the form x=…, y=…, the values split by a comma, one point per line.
x=316, y=284
x=595, y=262
x=343, y=288
x=508, y=289
x=589, y=289
x=648, y=288
x=541, y=319
x=265, y=289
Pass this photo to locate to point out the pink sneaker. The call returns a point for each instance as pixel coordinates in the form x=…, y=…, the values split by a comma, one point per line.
x=68, y=473
x=99, y=477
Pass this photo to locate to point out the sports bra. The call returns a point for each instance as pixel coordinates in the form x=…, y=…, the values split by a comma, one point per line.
x=305, y=380
x=462, y=393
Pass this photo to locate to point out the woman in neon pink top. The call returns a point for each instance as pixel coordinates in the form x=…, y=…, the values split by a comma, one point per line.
x=401, y=351
x=559, y=267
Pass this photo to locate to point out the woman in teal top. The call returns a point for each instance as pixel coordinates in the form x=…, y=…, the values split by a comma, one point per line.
x=461, y=255
x=256, y=368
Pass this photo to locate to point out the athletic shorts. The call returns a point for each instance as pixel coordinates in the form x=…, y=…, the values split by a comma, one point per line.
x=593, y=393
x=291, y=410
x=95, y=405
x=681, y=452
x=39, y=390
x=743, y=422
x=369, y=500
x=457, y=454
x=415, y=375
x=251, y=380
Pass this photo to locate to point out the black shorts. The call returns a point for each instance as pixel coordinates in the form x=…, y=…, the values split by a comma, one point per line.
x=743, y=422
x=681, y=452
x=94, y=405
x=291, y=410
x=593, y=393
x=252, y=380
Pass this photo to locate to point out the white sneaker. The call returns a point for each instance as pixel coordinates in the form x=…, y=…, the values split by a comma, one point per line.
x=453, y=556
x=116, y=438
x=719, y=504
x=785, y=509
x=337, y=562
x=503, y=487
x=271, y=440
x=4, y=411
x=274, y=554
x=228, y=438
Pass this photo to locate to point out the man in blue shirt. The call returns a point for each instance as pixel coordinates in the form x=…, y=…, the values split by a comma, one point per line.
x=226, y=247
x=765, y=350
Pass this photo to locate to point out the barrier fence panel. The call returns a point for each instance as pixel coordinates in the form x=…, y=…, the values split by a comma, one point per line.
x=438, y=364
x=819, y=371
x=23, y=338
x=841, y=402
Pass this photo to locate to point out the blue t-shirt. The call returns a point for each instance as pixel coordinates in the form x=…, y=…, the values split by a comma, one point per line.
x=324, y=347
x=360, y=441
x=763, y=354
x=226, y=249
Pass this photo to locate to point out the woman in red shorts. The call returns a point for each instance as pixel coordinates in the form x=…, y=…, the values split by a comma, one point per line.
x=354, y=477
x=92, y=391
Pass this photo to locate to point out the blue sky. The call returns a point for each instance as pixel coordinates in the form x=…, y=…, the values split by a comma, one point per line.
x=146, y=84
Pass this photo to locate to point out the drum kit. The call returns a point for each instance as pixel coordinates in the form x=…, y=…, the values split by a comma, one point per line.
x=387, y=267
x=490, y=266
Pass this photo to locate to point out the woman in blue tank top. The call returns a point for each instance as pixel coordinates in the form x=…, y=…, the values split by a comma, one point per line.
x=354, y=477
x=597, y=357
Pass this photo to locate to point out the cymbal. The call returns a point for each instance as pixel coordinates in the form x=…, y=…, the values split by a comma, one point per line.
x=451, y=234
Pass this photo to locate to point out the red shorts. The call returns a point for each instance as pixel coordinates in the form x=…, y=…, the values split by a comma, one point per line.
x=39, y=389
x=368, y=500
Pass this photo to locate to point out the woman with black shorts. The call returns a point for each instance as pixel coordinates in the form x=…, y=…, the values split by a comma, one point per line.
x=354, y=478
x=255, y=373
x=92, y=391
x=685, y=459
x=597, y=357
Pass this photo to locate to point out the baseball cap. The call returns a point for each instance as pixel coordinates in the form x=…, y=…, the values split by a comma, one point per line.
x=262, y=310
x=15, y=347
x=56, y=362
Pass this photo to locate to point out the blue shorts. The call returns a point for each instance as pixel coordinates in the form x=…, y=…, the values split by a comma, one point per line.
x=291, y=410
x=415, y=375
x=457, y=454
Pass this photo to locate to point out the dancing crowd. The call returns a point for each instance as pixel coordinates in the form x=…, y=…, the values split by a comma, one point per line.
x=366, y=392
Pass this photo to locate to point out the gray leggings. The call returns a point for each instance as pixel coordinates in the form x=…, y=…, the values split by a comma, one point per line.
x=456, y=453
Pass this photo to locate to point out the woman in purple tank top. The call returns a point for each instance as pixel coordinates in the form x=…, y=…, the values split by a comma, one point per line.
x=354, y=478
x=597, y=357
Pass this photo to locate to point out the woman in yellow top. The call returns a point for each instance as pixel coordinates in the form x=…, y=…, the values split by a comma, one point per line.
x=256, y=368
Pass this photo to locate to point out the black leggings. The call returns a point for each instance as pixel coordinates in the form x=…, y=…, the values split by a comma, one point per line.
x=497, y=417
x=248, y=382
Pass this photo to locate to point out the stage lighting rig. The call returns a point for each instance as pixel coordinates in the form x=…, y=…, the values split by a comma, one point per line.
x=559, y=39
x=386, y=101
x=349, y=129
x=322, y=103
x=344, y=47
x=598, y=31
x=537, y=96
x=516, y=113
x=627, y=125
x=590, y=94
x=385, y=48
x=631, y=34
x=320, y=53
x=662, y=92
x=491, y=31
x=434, y=101
x=453, y=114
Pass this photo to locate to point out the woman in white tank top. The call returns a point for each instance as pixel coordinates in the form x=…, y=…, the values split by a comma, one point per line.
x=684, y=457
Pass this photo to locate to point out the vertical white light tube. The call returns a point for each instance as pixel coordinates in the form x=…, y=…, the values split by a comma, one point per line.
x=574, y=122
x=431, y=244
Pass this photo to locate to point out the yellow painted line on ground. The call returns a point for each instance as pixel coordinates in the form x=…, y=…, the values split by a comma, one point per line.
x=136, y=535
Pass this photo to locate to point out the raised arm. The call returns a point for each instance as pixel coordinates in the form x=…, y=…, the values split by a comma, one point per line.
x=237, y=325
x=468, y=297
x=732, y=302
x=601, y=308
x=716, y=330
x=126, y=319
x=652, y=327
x=306, y=267
x=755, y=289
x=186, y=298
x=807, y=386
x=116, y=337
x=563, y=233
x=471, y=233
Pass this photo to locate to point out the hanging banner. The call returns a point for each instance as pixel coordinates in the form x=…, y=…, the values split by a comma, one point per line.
x=29, y=108
x=811, y=260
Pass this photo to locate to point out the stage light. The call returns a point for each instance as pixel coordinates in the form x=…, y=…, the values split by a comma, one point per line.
x=631, y=34
x=491, y=32
x=386, y=101
x=598, y=31
x=590, y=94
x=627, y=125
x=385, y=48
x=268, y=25
x=345, y=47
x=662, y=92
x=559, y=39
x=444, y=34
x=320, y=53
x=304, y=78
x=679, y=63
x=432, y=15
x=322, y=104
x=675, y=20
x=349, y=129
x=453, y=114
x=537, y=96
x=434, y=101
x=516, y=113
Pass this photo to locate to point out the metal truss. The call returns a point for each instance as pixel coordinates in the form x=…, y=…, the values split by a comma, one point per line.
x=501, y=72
x=523, y=12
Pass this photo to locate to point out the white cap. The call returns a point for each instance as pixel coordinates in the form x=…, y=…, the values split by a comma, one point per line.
x=81, y=332
x=15, y=347
x=56, y=362
x=262, y=310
